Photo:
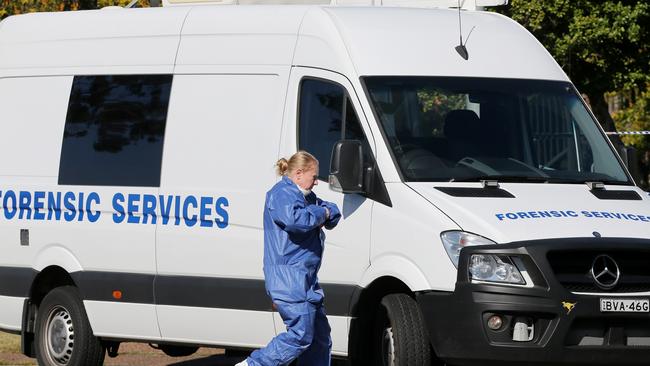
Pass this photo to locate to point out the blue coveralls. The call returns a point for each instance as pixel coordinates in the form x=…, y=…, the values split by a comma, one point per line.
x=293, y=248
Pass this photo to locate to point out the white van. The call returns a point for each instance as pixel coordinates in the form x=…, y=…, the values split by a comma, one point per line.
x=486, y=217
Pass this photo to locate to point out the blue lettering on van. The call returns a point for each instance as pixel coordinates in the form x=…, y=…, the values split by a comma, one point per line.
x=39, y=204
x=149, y=208
x=206, y=211
x=165, y=208
x=570, y=214
x=131, y=208
x=54, y=205
x=25, y=205
x=189, y=221
x=119, y=215
x=93, y=200
x=68, y=204
x=222, y=222
x=9, y=205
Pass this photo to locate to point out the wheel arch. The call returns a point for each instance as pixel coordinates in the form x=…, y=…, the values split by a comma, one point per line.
x=388, y=274
x=53, y=265
x=398, y=267
x=364, y=313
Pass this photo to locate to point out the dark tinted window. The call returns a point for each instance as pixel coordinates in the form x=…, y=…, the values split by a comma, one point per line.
x=114, y=130
x=327, y=116
x=455, y=129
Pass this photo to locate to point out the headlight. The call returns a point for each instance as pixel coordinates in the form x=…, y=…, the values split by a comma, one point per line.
x=454, y=241
x=494, y=268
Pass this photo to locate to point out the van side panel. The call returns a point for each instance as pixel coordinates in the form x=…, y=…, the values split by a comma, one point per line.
x=11, y=314
x=220, y=147
x=45, y=224
x=29, y=163
x=91, y=42
x=33, y=111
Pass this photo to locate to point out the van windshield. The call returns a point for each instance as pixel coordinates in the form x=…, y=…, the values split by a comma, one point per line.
x=470, y=129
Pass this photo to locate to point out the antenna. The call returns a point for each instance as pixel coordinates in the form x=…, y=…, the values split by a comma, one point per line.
x=132, y=3
x=461, y=49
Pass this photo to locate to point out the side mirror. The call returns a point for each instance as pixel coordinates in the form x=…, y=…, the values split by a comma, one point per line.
x=346, y=169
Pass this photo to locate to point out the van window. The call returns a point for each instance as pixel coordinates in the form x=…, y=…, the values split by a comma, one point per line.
x=114, y=130
x=470, y=129
x=326, y=115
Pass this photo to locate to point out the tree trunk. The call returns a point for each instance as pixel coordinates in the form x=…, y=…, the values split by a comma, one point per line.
x=87, y=4
x=645, y=170
x=601, y=111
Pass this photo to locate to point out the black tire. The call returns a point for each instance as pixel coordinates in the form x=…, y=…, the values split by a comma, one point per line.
x=403, y=339
x=63, y=334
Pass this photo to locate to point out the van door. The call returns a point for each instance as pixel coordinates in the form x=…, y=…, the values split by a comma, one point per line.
x=323, y=108
x=221, y=143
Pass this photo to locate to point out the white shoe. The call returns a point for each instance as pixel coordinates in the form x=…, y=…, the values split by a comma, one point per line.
x=243, y=363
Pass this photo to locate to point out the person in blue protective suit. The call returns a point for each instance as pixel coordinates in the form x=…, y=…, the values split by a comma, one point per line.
x=293, y=248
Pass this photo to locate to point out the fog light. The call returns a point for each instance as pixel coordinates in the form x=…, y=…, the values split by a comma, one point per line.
x=495, y=322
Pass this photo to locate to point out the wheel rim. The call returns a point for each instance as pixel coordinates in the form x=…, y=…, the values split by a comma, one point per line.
x=388, y=347
x=59, y=336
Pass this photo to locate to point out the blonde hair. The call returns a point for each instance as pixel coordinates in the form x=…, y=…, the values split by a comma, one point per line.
x=299, y=160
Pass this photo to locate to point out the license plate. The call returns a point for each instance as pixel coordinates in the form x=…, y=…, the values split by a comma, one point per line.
x=624, y=306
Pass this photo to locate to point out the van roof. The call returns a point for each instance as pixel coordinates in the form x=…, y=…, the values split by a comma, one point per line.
x=359, y=40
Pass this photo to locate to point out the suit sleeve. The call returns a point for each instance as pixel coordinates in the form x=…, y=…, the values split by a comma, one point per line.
x=335, y=214
x=293, y=216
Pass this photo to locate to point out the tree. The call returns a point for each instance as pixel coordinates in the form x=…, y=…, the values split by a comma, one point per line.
x=636, y=117
x=603, y=45
x=12, y=7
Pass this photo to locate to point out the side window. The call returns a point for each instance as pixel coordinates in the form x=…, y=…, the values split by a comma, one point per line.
x=114, y=130
x=326, y=115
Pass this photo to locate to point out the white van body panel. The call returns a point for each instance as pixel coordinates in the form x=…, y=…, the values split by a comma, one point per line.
x=12, y=312
x=39, y=159
x=59, y=256
x=206, y=110
x=223, y=327
x=126, y=321
x=320, y=44
x=91, y=42
x=218, y=36
x=423, y=255
x=422, y=41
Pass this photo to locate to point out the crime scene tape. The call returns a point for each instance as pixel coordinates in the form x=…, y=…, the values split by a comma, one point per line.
x=629, y=133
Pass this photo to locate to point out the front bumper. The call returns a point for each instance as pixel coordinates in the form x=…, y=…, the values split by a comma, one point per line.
x=582, y=335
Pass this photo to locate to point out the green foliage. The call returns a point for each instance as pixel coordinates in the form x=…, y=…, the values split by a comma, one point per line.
x=13, y=7
x=602, y=45
x=636, y=118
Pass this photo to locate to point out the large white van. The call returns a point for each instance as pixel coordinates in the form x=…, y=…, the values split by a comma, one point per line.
x=487, y=219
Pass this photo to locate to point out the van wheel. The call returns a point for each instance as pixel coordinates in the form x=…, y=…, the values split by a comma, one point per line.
x=402, y=337
x=63, y=334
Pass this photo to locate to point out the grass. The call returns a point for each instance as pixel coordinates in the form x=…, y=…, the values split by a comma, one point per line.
x=9, y=343
x=10, y=351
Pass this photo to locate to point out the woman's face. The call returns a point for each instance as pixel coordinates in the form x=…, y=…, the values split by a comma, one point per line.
x=306, y=178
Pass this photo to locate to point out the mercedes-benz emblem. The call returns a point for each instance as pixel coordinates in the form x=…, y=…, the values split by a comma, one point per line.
x=605, y=272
